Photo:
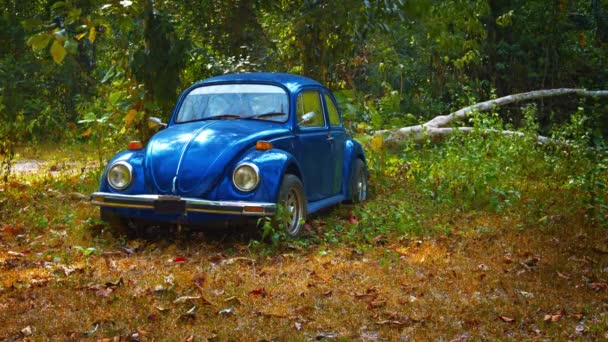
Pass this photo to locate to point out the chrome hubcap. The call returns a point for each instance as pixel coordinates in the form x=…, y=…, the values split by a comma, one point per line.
x=293, y=206
x=362, y=188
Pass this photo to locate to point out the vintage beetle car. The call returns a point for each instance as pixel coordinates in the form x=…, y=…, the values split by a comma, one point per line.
x=236, y=146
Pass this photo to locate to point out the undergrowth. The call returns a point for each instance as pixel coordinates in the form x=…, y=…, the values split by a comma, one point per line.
x=420, y=188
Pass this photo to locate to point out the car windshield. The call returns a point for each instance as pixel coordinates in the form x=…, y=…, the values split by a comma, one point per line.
x=235, y=101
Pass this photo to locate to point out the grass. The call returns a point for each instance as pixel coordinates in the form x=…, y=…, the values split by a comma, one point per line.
x=405, y=265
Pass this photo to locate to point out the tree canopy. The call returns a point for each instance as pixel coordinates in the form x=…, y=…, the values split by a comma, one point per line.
x=393, y=63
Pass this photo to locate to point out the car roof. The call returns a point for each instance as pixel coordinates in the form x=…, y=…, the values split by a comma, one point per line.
x=292, y=82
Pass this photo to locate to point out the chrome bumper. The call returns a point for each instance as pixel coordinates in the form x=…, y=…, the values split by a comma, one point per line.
x=166, y=204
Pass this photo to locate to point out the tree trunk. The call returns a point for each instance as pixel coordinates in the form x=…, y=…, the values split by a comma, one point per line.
x=436, y=127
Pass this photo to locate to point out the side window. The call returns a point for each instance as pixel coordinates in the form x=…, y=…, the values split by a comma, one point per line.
x=310, y=101
x=334, y=117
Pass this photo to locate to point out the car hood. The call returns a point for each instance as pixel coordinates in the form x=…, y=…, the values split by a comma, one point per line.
x=189, y=159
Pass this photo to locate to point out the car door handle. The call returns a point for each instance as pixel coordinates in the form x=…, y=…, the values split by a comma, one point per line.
x=330, y=139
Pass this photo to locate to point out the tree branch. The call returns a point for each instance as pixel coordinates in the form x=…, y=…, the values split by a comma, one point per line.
x=434, y=126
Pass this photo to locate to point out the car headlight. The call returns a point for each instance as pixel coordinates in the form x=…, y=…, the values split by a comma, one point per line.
x=120, y=175
x=246, y=177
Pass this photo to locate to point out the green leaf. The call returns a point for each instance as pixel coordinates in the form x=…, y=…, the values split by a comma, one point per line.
x=125, y=104
x=39, y=41
x=73, y=15
x=108, y=74
x=60, y=34
x=71, y=46
x=57, y=7
x=58, y=52
x=115, y=97
x=30, y=24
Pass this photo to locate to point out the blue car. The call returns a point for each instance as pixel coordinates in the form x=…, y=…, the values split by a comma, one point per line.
x=236, y=146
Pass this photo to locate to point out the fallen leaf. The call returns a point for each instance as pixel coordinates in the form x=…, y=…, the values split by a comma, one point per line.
x=217, y=258
x=598, y=286
x=556, y=316
x=104, y=292
x=232, y=301
x=258, y=292
x=93, y=329
x=227, y=311
x=580, y=328
x=578, y=316
x=116, y=283
x=376, y=304
x=563, y=276
x=526, y=294
x=483, y=267
x=328, y=293
x=240, y=259
x=303, y=310
x=184, y=299
x=506, y=319
x=298, y=326
x=179, y=260
x=326, y=335
x=380, y=240
x=390, y=322
x=27, y=331
x=531, y=262
x=367, y=296
x=78, y=196
x=15, y=254
x=188, y=314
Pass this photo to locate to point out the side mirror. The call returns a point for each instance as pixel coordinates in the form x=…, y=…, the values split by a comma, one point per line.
x=156, y=123
x=307, y=117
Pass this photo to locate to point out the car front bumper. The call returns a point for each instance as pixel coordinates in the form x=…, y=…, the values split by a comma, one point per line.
x=167, y=204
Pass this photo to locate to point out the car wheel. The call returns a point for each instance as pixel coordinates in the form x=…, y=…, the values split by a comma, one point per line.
x=358, y=186
x=293, y=202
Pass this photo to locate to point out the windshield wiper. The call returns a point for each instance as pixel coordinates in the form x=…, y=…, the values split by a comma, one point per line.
x=222, y=116
x=259, y=116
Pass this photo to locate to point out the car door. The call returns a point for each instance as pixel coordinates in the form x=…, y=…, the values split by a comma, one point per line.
x=337, y=139
x=314, y=145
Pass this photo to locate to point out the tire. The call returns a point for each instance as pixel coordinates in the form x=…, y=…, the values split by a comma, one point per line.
x=293, y=201
x=358, y=182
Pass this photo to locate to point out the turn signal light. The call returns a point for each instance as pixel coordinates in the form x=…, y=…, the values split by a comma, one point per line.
x=253, y=209
x=135, y=145
x=262, y=145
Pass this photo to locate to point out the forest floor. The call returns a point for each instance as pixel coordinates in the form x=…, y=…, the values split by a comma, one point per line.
x=65, y=276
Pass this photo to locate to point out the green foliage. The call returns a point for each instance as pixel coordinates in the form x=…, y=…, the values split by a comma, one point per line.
x=396, y=62
x=421, y=189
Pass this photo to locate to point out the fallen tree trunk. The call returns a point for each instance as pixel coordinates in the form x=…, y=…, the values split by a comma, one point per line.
x=421, y=133
x=436, y=127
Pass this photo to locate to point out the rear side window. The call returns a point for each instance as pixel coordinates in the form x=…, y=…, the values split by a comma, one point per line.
x=334, y=117
x=310, y=101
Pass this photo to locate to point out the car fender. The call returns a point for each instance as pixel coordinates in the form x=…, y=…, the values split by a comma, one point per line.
x=272, y=165
x=352, y=151
x=136, y=159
